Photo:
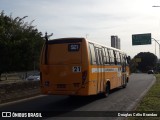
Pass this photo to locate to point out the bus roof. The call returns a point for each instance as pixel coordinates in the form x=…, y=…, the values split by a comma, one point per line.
x=106, y=46
x=64, y=40
x=78, y=39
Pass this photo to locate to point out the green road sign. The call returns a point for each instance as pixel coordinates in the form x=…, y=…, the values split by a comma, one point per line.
x=141, y=39
x=137, y=60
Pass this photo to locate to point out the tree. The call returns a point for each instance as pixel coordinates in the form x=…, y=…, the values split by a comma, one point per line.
x=147, y=61
x=132, y=66
x=20, y=44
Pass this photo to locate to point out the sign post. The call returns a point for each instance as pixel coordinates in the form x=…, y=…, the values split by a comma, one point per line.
x=155, y=46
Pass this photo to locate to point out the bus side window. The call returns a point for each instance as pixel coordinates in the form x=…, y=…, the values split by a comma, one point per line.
x=92, y=54
x=118, y=57
x=125, y=57
x=121, y=58
x=111, y=56
x=107, y=56
x=99, y=55
x=123, y=63
x=115, y=57
x=104, y=56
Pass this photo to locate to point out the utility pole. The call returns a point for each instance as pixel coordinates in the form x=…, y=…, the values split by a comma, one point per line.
x=155, y=46
x=155, y=39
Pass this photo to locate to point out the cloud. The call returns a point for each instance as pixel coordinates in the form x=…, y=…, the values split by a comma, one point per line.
x=98, y=18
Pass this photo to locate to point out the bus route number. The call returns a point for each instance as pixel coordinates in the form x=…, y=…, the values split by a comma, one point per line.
x=73, y=47
x=76, y=69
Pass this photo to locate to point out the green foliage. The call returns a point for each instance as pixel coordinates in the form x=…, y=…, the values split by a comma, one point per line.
x=132, y=66
x=20, y=44
x=148, y=61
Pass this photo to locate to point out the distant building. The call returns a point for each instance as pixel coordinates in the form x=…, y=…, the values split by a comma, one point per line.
x=115, y=42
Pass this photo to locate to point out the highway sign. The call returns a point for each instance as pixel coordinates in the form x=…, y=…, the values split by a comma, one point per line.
x=137, y=60
x=141, y=39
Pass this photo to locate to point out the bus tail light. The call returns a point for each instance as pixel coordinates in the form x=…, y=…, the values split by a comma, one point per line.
x=84, y=76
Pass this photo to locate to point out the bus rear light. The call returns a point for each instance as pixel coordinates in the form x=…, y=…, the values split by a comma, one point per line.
x=84, y=76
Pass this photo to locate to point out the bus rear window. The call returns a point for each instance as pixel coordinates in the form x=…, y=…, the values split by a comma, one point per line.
x=66, y=53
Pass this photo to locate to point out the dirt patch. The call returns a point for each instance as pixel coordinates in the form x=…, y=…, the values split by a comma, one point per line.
x=19, y=90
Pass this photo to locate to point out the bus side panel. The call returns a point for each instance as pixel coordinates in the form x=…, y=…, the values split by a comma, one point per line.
x=93, y=82
x=113, y=74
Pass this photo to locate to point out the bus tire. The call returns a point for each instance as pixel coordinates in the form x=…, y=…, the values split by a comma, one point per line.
x=107, y=90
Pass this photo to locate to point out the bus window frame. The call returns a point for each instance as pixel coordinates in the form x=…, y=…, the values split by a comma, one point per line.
x=117, y=57
x=92, y=62
x=121, y=58
x=106, y=56
x=99, y=55
x=111, y=56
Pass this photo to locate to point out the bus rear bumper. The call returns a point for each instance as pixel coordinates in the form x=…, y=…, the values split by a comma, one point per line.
x=79, y=92
x=59, y=93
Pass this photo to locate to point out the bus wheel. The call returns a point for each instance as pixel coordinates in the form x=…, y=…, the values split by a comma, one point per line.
x=107, y=90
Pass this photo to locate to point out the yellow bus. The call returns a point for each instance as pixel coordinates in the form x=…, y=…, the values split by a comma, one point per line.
x=78, y=67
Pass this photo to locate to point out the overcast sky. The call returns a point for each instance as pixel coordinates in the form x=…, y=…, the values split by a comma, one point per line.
x=96, y=19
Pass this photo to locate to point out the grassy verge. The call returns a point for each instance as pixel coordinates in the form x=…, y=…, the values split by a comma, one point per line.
x=151, y=101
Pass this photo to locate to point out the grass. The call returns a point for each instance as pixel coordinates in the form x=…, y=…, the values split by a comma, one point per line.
x=150, y=102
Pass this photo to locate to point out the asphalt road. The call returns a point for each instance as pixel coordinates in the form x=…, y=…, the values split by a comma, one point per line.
x=119, y=100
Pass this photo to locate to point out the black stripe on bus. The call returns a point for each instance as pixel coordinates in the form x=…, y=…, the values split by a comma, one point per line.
x=65, y=40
